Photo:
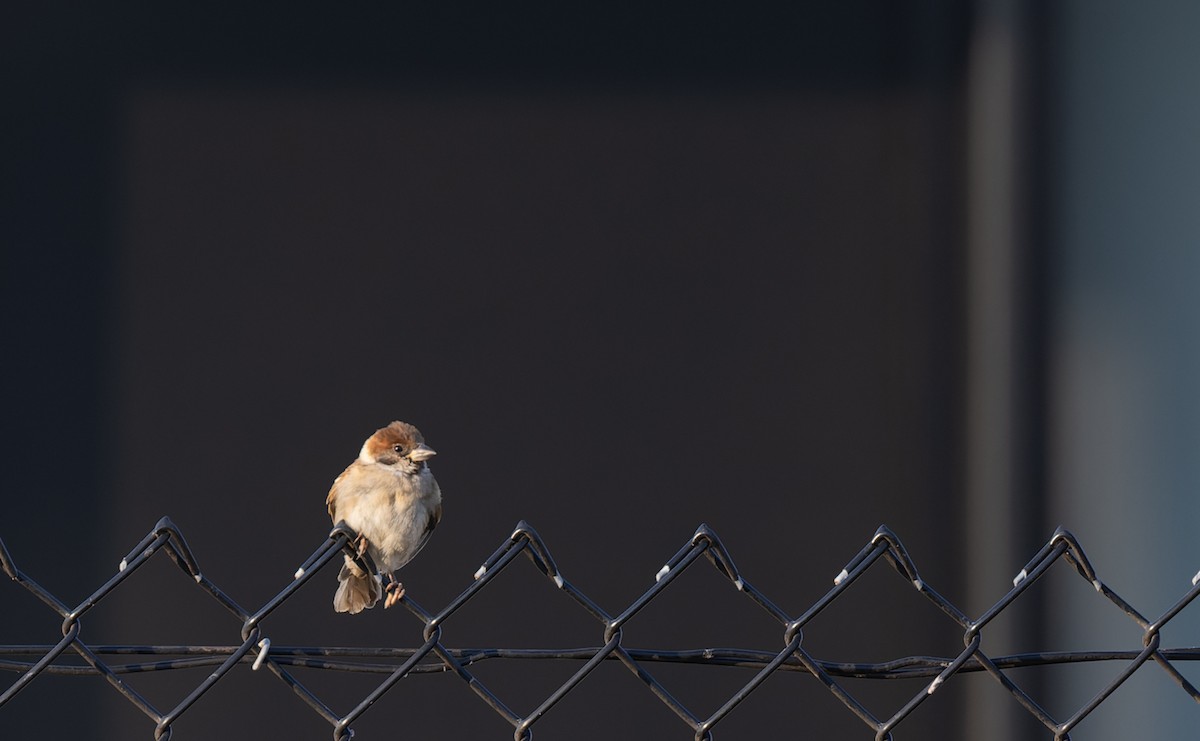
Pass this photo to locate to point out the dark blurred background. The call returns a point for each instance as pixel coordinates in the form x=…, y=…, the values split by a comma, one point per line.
x=793, y=270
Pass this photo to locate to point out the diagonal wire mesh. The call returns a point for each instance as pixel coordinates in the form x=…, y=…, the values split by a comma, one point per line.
x=31, y=662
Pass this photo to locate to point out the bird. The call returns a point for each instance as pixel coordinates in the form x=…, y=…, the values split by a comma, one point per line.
x=389, y=497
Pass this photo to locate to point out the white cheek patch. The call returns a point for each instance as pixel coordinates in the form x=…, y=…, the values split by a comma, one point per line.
x=364, y=455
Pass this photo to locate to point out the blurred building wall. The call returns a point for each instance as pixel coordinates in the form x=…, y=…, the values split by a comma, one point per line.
x=1123, y=158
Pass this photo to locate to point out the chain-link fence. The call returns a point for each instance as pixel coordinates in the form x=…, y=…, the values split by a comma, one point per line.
x=255, y=650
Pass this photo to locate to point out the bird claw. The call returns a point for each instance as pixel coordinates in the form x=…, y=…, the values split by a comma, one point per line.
x=361, y=545
x=395, y=593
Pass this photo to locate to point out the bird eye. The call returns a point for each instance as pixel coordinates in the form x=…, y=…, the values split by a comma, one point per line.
x=399, y=449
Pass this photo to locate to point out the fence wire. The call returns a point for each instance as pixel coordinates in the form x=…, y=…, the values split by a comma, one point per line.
x=30, y=662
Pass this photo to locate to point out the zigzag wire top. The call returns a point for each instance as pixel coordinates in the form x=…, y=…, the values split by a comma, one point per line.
x=433, y=656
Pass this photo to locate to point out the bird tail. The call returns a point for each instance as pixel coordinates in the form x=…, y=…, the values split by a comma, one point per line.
x=357, y=590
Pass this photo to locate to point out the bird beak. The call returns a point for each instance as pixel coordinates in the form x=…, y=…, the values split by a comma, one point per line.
x=421, y=452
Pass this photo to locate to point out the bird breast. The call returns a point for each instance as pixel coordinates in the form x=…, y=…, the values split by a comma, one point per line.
x=392, y=510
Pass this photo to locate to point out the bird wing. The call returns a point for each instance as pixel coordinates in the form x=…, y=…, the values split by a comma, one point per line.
x=331, y=500
x=435, y=516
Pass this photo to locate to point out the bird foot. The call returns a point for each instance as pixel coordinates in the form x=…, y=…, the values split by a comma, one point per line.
x=395, y=593
x=361, y=545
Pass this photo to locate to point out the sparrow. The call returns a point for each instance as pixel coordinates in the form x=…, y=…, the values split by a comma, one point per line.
x=389, y=497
